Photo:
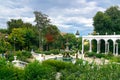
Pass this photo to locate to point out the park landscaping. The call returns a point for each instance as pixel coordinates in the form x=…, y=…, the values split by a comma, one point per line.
x=44, y=38
x=47, y=70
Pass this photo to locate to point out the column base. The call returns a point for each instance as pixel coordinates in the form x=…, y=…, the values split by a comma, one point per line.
x=97, y=52
x=116, y=54
x=90, y=51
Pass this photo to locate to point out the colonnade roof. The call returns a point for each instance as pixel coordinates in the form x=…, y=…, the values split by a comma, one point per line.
x=104, y=37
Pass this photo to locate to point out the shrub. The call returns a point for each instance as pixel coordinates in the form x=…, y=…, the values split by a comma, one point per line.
x=115, y=59
x=46, y=52
x=55, y=51
x=90, y=54
x=104, y=72
x=10, y=57
x=2, y=61
x=100, y=55
x=23, y=55
x=8, y=72
x=109, y=55
x=37, y=71
x=58, y=65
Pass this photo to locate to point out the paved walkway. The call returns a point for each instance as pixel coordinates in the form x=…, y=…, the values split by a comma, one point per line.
x=80, y=56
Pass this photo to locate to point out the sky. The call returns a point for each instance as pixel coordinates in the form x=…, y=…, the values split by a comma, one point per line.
x=68, y=15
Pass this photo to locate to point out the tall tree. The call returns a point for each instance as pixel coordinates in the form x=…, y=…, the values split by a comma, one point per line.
x=23, y=38
x=114, y=14
x=109, y=21
x=102, y=23
x=13, y=23
x=52, y=35
x=17, y=23
x=42, y=22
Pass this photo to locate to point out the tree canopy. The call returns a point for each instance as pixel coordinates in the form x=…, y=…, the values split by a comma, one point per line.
x=108, y=21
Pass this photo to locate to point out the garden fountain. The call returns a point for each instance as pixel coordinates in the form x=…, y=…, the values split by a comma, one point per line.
x=66, y=55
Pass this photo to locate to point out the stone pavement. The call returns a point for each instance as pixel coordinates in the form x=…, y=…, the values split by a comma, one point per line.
x=41, y=57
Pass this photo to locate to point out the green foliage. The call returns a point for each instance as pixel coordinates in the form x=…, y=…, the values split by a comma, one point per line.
x=115, y=59
x=81, y=70
x=108, y=21
x=71, y=39
x=4, y=31
x=46, y=52
x=104, y=72
x=37, y=71
x=86, y=47
x=90, y=54
x=58, y=65
x=55, y=51
x=75, y=72
x=23, y=55
x=52, y=37
x=23, y=38
x=46, y=36
x=13, y=23
x=99, y=55
x=8, y=72
x=4, y=45
x=2, y=61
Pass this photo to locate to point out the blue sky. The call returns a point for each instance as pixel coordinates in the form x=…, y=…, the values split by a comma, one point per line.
x=68, y=15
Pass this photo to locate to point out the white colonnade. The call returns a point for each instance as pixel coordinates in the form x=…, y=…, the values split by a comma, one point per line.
x=98, y=38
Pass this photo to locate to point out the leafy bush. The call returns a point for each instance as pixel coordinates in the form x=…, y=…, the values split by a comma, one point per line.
x=46, y=52
x=103, y=72
x=109, y=55
x=90, y=54
x=81, y=70
x=2, y=61
x=23, y=55
x=115, y=59
x=100, y=55
x=10, y=57
x=55, y=51
x=37, y=71
x=8, y=72
x=58, y=65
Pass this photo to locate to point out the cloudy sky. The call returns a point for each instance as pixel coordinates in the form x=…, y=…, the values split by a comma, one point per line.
x=68, y=15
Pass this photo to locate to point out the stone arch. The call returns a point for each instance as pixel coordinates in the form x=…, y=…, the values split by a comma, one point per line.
x=105, y=39
x=102, y=45
x=83, y=44
x=110, y=45
x=86, y=45
x=94, y=45
x=117, y=46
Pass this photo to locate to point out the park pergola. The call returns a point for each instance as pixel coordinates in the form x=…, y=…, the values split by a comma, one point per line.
x=98, y=38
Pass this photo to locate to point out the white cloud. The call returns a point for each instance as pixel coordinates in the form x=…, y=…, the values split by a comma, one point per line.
x=68, y=15
x=82, y=15
x=14, y=10
x=5, y=11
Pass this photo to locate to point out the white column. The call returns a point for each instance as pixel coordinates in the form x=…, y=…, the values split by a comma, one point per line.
x=108, y=46
x=90, y=48
x=98, y=45
x=82, y=46
x=116, y=48
x=105, y=47
x=113, y=47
